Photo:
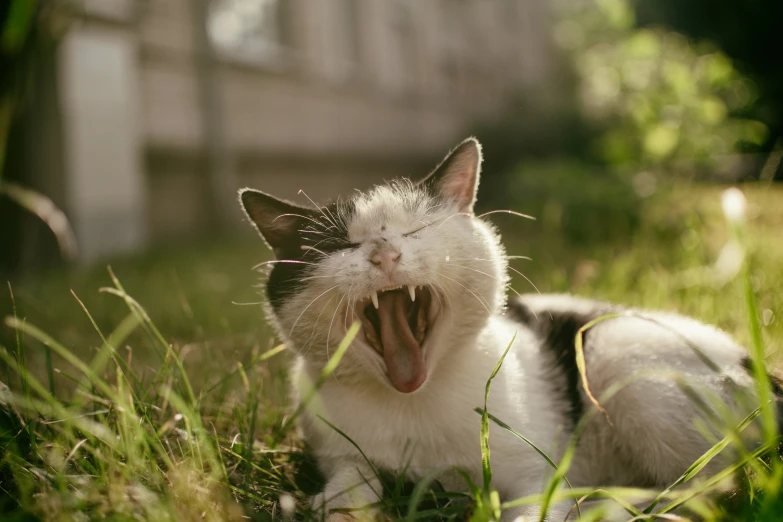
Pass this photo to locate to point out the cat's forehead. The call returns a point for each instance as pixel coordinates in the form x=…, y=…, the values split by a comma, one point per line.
x=390, y=205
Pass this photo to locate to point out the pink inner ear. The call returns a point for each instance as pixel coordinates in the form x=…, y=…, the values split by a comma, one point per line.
x=458, y=180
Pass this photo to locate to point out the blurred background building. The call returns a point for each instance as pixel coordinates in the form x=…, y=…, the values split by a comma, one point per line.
x=141, y=118
x=151, y=113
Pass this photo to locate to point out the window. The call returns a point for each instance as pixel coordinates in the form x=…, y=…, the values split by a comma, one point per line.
x=248, y=29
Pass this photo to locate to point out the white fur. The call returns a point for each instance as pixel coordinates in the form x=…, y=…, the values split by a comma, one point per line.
x=650, y=442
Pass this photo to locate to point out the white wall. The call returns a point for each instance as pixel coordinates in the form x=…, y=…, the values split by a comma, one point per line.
x=105, y=188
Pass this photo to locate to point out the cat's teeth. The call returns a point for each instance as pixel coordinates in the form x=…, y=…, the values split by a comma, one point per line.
x=374, y=297
x=412, y=291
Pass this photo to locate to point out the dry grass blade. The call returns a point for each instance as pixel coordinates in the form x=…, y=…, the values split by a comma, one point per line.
x=43, y=207
x=580, y=358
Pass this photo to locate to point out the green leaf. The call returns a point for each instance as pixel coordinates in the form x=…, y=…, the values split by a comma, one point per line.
x=661, y=140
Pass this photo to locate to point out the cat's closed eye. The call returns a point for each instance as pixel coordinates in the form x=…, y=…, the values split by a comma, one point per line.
x=408, y=234
x=330, y=249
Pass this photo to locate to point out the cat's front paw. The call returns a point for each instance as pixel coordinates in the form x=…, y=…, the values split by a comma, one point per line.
x=326, y=510
x=349, y=494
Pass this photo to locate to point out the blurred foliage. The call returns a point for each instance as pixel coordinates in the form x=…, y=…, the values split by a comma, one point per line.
x=16, y=21
x=26, y=28
x=656, y=98
x=538, y=125
x=29, y=30
x=632, y=108
x=581, y=204
x=748, y=32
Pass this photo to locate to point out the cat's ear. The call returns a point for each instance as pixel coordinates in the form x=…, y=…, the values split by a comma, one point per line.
x=457, y=176
x=276, y=220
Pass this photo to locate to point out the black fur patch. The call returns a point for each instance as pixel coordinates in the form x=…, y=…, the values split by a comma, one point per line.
x=557, y=330
x=326, y=234
x=285, y=281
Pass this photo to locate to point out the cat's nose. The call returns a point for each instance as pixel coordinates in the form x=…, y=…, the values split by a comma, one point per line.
x=387, y=260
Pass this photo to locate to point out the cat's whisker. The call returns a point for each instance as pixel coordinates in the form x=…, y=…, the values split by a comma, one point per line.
x=442, y=290
x=474, y=294
x=526, y=278
x=314, y=277
x=514, y=290
x=300, y=216
x=340, y=272
x=320, y=209
x=345, y=315
x=308, y=231
x=316, y=324
x=308, y=306
x=488, y=275
x=334, y=219
x=503, y=211
x=247, y=304
x=308, y=248
x=326, y=239
x=468, y=282
x=275, y=261
x=452, y=216
x=474, y=270
x=331, y=323
x=490, y=260
x=531, y=284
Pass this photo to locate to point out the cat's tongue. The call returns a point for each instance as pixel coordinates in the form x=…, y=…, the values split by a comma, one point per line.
x=401, y=351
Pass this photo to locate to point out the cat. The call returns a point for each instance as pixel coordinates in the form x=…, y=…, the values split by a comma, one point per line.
x=426, y=279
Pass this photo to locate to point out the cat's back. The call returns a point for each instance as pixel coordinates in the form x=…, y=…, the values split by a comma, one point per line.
x=624, y=332
x=620, y=341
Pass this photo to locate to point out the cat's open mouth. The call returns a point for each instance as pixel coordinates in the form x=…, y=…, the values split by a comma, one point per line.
x=396, y=323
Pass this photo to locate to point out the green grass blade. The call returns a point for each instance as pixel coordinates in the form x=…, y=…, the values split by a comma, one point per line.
x=327, y=371
x=579, y=492
x=256, y=360
x=361, y=452
x=532, y=445
x=203, y=444
x=418, y=493
x=134, y=306
x=757, y=357
x=63, y=352
x=486, y=466
x=716, y=479
x=705, y=459
x=126, y=327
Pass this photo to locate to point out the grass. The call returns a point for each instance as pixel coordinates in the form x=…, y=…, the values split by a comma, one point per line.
x=157, y=398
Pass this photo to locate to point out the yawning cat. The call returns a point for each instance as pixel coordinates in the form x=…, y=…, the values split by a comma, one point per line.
x=427, y=281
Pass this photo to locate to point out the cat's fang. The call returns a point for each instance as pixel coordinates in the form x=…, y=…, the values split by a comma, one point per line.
x=412, y=292
x=374, y=297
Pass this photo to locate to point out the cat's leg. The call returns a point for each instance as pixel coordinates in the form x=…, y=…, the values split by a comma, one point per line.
x=350, y=484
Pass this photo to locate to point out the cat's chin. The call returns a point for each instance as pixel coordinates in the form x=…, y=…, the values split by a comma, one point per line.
x=396, y=325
